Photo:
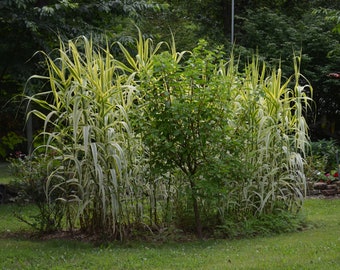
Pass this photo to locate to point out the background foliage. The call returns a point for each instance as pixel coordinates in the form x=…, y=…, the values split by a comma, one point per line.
x=30, y=26
x=275, y=29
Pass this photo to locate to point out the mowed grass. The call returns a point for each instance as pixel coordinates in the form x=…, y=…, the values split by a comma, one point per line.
x=315, y=248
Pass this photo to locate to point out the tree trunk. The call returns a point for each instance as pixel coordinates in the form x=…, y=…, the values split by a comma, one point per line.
x=198, y=221
x=226, y=16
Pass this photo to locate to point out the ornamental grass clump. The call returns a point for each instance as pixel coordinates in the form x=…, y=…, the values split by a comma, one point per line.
x=271, y=111
x=98, y=178
x=165, y=138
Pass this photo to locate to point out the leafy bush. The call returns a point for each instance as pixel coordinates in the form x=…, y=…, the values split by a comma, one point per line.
x=326, y=149
x=184, y=127
x=9, y=142
x=31, y=174
x=322, y=160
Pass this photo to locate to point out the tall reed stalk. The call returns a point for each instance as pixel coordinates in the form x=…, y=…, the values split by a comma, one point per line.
x=99, y=176
x=271, y=111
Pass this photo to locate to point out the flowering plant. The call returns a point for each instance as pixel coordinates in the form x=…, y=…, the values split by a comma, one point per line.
x=17, y=155
x=328, y=177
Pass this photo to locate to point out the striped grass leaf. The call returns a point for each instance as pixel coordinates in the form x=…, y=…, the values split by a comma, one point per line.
x=272, y=114
x=88, y=125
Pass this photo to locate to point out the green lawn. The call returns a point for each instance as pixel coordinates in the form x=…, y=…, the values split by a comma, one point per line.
x=316, y=248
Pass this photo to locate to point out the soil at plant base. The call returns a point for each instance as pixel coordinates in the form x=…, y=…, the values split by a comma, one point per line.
x=320, y=196
x=100, y=239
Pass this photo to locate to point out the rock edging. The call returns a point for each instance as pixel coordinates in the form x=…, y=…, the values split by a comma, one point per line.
x=323, y=188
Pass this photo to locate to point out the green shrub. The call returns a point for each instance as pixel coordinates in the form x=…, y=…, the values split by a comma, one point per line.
x=30, y=176
x=322, y=161
x=9, y=142
x=184, y=125
x=327, y=150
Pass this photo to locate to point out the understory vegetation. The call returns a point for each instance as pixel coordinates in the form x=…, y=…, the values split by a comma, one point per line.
x=157, y=138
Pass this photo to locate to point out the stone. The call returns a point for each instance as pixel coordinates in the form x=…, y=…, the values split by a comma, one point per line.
x=332, y=186
x=320, y=185
x=315, y=192
x=329, y=192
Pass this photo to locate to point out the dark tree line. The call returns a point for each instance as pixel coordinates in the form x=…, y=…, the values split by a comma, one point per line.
x=275, y=29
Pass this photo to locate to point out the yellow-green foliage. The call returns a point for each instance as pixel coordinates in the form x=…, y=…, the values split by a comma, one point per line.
x=87, y=131
x=271, y=111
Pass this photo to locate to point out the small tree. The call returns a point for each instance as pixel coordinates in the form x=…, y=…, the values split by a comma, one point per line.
x=185, y=125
